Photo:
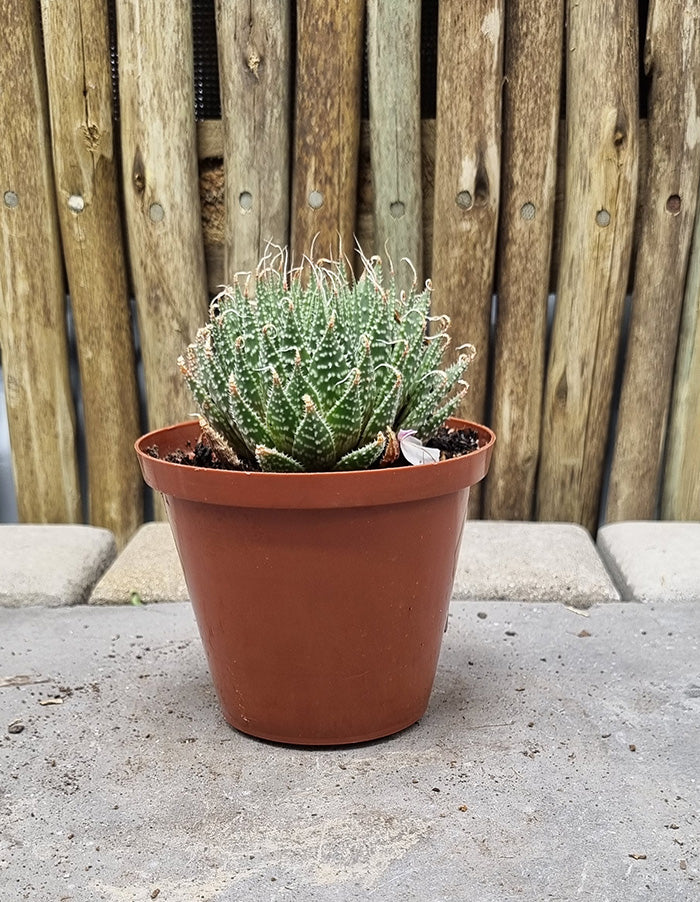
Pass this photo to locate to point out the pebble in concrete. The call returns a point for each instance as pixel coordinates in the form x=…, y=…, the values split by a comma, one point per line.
x=653, y=561
x=148, y=570
x=535, y=562
x=52, y=565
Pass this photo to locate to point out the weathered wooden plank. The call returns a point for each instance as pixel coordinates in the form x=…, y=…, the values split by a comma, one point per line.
x=601, y=185
x=672, y=58
x=76, y=42
x=533, y=53
x=393, y=50
x=467, y=177
x=32, y=297
x=161, y=192
x=681, y=489
x=326, y=125
x=210, y=144
x=210, y=139
x=254, y=74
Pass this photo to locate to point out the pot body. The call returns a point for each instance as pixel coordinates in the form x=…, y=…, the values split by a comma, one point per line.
x=321, y=609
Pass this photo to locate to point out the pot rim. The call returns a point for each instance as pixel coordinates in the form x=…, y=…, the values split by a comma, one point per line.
x=352, y=488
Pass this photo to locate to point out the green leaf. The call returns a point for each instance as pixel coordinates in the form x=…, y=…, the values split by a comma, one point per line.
x=246, y=419
x=273, y=461
x=437, y=419
x=328, y=366
x=346, y=417
x=364, y=457
x=313, y=442
x=422, y=403
x=291, y=340
x=299, y=385
x=384, y=414
x=366, y=368
x=247, y=379
x=414, y=334
x=270, y=357
x=282, y=417
x=434, y=348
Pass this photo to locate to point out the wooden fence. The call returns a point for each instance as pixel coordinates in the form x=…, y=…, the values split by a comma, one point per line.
x=554, y=163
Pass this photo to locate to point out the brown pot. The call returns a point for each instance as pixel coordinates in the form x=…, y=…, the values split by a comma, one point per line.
x=321, y=598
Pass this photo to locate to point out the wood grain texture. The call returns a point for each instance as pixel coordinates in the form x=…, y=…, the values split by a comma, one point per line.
x=533, y=53
x=393, y=51
x=467, y=178
x=672, y=58
x=326, y=125
x=681, y=487
x=255, y=75
x=601, y=187
x=32, y=297
x=210, y=139
x=76, y=42
x=210, y=144
x=161, y=193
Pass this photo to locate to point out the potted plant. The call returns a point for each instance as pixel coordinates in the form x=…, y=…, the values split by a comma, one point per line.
x=317, y=523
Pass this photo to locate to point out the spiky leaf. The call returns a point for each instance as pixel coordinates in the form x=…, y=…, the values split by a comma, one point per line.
x=346, y=416
x=384, y=414
x=363, y=457
x=328, y=365
x=282, y=417
x=249, y=423
x=273, y=461
x=313, y=440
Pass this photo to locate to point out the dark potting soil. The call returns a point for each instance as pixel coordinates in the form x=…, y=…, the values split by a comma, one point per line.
x=450, y=442
x=454, y=442
x=199, y=455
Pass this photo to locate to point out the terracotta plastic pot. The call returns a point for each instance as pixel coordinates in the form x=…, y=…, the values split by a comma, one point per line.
x=321, y=598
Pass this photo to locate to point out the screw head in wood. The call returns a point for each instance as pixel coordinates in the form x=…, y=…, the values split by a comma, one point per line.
x=315, y=200
x=156, y=213
x=11, y=199
x=464, y=200
x=76, y=203
x=245, y=199
x=602, y=217
x=397, y=209
x=527, y=211
x=673, y=204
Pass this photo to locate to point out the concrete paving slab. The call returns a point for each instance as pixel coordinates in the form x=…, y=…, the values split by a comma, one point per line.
x=653, y=560
x=149, y=567
x=52, y=564
x=558, y=760
x=537, y=562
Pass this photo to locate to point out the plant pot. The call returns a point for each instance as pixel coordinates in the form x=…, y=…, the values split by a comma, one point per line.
x=321, y=598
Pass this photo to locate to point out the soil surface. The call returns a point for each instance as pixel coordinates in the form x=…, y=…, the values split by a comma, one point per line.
x=454, y=442
x=450, y=442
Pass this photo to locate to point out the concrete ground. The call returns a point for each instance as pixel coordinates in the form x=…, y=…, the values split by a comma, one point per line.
x=559, y=758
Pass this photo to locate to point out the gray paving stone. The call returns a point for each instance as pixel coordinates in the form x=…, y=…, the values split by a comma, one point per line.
x=52, y=564
x=653, y=560
x=149, y=566
x=558, y=760
x=535, y=562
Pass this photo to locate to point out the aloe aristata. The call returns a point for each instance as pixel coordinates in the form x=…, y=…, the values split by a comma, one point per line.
x=314, y=370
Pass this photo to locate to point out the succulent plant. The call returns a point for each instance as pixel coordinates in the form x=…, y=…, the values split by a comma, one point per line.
x=312, y=370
